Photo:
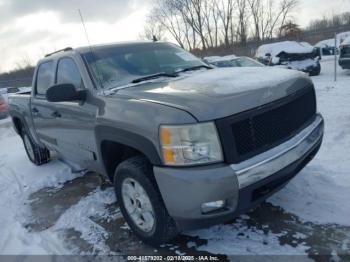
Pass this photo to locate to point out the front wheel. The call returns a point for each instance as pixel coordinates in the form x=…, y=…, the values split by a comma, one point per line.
x=316, y=71
x=141, y=203
x=35, y=153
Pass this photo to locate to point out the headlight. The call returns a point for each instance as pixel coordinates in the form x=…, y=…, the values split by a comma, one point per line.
x=190, y=144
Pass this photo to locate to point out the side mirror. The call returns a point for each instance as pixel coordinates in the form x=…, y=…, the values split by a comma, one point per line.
x=64, y=93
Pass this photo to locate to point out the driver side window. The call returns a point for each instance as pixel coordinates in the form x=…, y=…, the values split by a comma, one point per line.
x=68, y=73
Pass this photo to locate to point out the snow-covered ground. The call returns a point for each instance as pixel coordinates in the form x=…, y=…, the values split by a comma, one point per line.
x=321, y=192
x=319, y=196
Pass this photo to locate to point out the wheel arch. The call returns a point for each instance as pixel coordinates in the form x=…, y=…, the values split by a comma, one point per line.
x=115, y=145
x=18, y=124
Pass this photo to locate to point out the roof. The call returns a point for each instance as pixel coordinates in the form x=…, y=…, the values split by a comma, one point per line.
x=326, y=43
x=85, y=49
x=119, y=44
x=341, y=37
x=289, y=47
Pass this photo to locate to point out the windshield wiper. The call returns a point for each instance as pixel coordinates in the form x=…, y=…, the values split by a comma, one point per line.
x=144, y=78
x=194, y=68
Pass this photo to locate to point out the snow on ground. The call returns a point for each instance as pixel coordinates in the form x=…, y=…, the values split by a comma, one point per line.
x=18, y=179
x=239, y=238
x=320, y=193
x=78, y=217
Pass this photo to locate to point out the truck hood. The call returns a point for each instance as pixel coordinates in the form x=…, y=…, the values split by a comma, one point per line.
x=220, y=92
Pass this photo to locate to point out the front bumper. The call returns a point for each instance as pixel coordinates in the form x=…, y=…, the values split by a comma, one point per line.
x=242, y=185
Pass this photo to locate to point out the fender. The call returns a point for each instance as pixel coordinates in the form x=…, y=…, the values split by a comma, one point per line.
x=138, y=142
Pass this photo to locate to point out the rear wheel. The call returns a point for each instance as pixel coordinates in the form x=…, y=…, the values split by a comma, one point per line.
x=35, y=153
x=141, y=203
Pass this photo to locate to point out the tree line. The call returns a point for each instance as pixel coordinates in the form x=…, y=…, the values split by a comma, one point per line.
x=203, y=24
x=327, y=22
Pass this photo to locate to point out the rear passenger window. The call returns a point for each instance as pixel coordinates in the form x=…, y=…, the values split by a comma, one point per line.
x=68, y=73
x=45, y=77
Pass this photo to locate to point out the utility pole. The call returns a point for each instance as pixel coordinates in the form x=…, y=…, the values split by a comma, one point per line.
x=335, y=57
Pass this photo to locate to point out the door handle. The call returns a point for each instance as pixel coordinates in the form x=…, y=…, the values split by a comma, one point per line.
x=56, y=114
x=35, y=111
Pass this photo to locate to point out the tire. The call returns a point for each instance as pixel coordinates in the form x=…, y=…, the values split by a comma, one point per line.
x=36, y=154
x=316, y=71
x=139, y=171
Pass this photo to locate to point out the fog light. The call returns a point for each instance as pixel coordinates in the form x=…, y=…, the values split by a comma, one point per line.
x=212, y=206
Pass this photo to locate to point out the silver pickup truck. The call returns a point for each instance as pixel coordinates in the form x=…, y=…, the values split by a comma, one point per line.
x=185, y=145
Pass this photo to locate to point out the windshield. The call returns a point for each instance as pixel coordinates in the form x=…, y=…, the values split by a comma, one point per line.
x=118, y=65
x=238, y=62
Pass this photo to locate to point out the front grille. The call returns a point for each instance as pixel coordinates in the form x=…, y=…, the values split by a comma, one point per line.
x=260, y=129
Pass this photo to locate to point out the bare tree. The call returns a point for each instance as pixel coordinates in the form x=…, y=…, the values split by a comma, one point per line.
x=287, y=6
x=168, y=16
x=24, y=62
x=193, y=13
x=210, y=23
x=267, y=17
x=153, y=28
x=242, y=14
x=225, y=11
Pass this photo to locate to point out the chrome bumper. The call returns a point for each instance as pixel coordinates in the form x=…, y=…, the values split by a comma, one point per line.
x=270, y=162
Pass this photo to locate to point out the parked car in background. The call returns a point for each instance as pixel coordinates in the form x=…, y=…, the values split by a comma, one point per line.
x=232, y=61
x=327, y=47
x=3, y=107
x=344, y=58
x=291, y=55
x=6, y=91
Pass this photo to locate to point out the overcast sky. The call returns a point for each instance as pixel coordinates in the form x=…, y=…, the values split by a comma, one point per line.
x=32, y=28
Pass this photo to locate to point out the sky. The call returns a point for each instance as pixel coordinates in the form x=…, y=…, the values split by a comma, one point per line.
x=31, y=28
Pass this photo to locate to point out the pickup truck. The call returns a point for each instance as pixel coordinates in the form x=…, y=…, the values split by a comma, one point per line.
x=185, y=145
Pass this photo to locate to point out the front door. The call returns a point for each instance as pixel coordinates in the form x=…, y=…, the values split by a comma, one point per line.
x=42, y=112
x=74, y=121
